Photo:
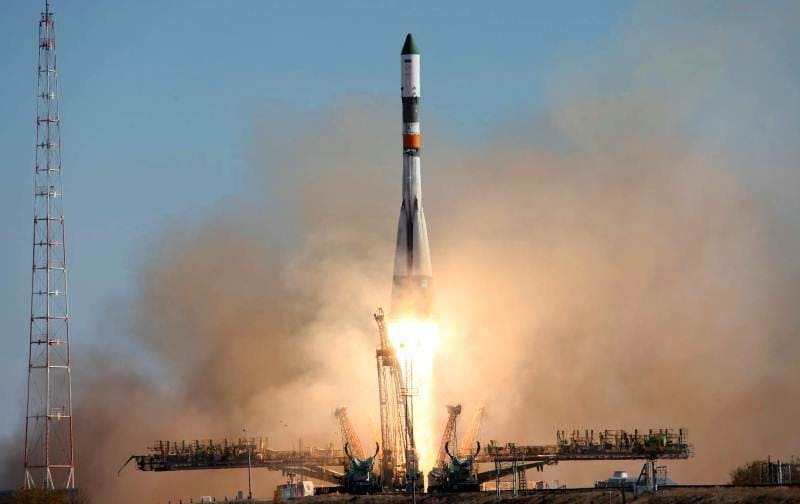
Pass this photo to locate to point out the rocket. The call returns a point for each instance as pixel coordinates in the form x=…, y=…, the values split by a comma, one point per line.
x=411, y=285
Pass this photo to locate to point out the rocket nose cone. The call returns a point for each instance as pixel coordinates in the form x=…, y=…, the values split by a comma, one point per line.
x=409, y=47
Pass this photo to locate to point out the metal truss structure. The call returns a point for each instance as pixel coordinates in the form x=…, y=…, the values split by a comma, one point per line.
x=325, y=464
x=231, y=454
x=49, y=461
x=474, y=429
x=449, y=435
x=349, y=436
x=399, y=465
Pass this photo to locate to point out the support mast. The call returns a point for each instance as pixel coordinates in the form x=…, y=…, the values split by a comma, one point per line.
x=49, y=461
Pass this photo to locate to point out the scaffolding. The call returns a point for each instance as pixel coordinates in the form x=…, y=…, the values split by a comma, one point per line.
x=349, y=436
x=449, y=435
x=508, y=462
x=314, y=462
x=473, y=431
x=653, y=443
x=398, y=468
x=779, y=473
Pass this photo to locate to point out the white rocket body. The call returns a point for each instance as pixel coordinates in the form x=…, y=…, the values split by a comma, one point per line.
x=411, y=287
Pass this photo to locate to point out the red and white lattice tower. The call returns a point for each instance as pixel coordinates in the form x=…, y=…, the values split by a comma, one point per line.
x=49, y=459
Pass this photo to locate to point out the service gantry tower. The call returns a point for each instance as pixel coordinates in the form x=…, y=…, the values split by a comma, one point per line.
x=49, y=461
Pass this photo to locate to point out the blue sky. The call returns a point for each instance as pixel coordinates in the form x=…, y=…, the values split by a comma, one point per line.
x=158, y=100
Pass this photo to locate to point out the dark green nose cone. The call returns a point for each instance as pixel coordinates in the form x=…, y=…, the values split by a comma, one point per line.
x=409, y=47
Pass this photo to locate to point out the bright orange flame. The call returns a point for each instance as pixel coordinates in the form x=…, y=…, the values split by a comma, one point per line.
x=416, y=342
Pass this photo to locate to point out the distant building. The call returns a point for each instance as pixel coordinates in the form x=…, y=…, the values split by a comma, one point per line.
x=294, y=490
x=621, y=479
x=546, y=484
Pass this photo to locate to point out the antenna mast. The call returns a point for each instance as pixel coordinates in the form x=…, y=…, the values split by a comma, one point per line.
x=49, y=461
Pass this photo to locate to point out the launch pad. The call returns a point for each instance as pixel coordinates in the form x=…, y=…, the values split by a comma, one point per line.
x=349, y=469
x=394, y=465
x=330, y=464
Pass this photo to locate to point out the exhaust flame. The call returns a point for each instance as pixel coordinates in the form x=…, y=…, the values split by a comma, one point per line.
x=416, y=342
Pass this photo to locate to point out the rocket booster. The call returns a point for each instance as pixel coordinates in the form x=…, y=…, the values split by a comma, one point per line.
x=411, y=286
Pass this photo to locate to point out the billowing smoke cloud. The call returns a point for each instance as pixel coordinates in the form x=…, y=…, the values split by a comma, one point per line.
x=619, y=261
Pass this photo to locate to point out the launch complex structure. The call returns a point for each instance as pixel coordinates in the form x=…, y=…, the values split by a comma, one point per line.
x=399, y=461
x=349, y=469
x=456, y=468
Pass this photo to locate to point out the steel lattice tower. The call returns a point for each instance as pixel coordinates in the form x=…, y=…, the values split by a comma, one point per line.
x=49, y=459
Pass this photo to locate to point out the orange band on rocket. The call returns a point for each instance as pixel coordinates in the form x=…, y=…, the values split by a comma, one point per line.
x=412, y=141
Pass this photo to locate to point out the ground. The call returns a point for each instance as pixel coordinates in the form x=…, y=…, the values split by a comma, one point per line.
x=715, y=495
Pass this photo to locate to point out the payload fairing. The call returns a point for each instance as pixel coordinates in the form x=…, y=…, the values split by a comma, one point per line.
x=411, y=286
